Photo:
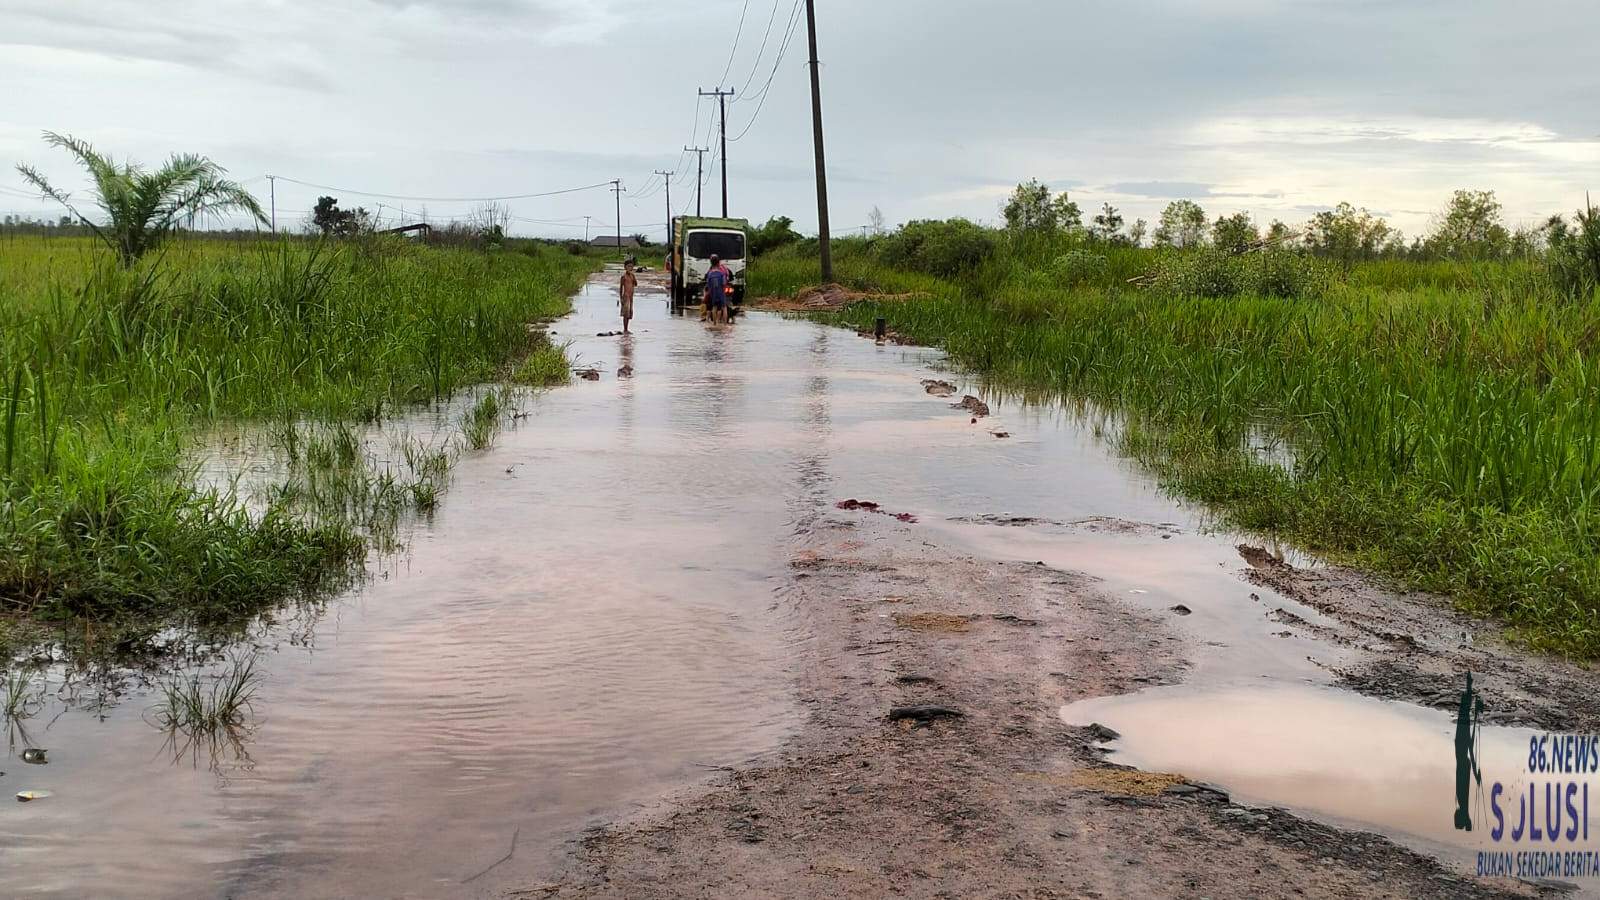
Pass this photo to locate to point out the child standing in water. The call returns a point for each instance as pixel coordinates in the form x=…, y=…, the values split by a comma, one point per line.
x=625, y=292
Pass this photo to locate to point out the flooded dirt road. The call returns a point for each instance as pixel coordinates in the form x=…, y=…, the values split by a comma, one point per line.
x=650, y=578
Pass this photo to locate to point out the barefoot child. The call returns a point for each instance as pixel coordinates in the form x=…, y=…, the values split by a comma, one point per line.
x=625, y=292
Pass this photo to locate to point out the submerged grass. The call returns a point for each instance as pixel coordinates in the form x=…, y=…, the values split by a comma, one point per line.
x=110, y=374
x=481, y=422
x=197, y=706
x=1441, y=422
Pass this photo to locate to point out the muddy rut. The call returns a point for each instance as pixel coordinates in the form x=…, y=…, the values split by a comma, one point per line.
x=998, y=797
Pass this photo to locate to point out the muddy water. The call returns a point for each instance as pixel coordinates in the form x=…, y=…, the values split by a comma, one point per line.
x=592, y=619
x=1350, y=759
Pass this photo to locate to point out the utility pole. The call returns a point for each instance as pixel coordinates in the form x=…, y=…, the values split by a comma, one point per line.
x=699, y=174
x=586, y=228
x=816, y=129
x=667, y=178
x=616, y=188
x=272, y=186
x=722, y=105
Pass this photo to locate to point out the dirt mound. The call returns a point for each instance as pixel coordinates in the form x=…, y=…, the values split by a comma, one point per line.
x=1126, y=782
x=869, y=506
x=823, y=298
x=973, y=404
x=932, y=621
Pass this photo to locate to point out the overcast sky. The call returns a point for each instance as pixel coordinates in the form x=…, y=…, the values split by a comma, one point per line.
x=933, y=107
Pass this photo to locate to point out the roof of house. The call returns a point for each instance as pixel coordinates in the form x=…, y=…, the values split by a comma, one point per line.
x=610, y=240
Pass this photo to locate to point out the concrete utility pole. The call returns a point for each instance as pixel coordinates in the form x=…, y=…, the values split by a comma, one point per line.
x=616, y=188
x=272, y=186
x=699, y=174
x=586, y=228
x=722, y=105
x=666, y=177
x=816, y=130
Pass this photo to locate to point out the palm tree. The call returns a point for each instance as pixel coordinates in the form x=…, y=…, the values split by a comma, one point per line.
x=143, y=207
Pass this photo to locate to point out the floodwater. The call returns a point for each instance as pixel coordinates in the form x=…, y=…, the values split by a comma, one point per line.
x=594, y=618
x=1351, y=759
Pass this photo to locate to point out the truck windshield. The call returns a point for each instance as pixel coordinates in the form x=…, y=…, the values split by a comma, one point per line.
x=727, y=245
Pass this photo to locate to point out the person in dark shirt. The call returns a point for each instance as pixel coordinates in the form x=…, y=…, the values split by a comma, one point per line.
x=719, y=286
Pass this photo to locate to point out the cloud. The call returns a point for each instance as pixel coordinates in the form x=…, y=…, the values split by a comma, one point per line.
x=1269, y=106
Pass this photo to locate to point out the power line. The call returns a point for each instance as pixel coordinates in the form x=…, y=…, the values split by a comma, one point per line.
x=736, y=36
x=788, y=37
x=652, y=186
x=722, y=105
x=699, y=176
x=760, y=54
x=324, y=187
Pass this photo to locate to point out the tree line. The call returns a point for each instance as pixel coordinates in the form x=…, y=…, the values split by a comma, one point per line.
x=1471, y=226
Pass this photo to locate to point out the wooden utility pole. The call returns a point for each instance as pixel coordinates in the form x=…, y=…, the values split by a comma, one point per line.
x=699, y=174
x=666, y=177
x=616, y=188
x=722, y=106
x=816, y=131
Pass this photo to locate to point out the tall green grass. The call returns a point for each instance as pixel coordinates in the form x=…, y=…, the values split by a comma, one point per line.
x=1443, y=421
x=108, y=377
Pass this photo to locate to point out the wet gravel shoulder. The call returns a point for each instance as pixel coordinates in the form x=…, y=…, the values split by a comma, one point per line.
x=933, y=761
x=1415, y=647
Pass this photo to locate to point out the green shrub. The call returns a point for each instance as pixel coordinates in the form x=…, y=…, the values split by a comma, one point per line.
x=1198, y=273
x=1077, y=267
x=947, y=249
x=1214, y=273
x=1278, y=273
x=778, y=232
x=1575, y=254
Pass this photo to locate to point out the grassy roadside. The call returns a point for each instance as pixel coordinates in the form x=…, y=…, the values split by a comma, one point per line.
x=1442, y=420
x=111, y=376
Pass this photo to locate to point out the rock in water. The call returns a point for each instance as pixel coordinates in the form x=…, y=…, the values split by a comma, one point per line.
x=972, y=404
x=1102, y=733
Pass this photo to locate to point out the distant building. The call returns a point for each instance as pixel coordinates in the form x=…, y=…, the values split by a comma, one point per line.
x=610, y=240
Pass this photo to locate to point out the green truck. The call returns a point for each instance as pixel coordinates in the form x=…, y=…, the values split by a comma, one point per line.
x=695, y=240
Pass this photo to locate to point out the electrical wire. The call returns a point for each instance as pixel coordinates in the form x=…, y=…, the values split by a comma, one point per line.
x=324, y=187
x=736, y=36
x=794, y=21
x=760, y=54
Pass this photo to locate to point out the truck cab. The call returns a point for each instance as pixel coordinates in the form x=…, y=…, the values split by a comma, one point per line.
x=694, y=241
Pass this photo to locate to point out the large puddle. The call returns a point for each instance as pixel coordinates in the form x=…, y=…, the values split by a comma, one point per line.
x=593, y=617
